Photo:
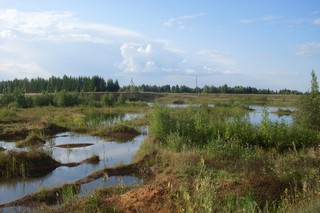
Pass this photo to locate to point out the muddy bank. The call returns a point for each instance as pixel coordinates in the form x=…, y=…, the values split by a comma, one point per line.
x=26, y=164
x=21, y=131
x=33, y=164
x=74, y=145
x=118, y=133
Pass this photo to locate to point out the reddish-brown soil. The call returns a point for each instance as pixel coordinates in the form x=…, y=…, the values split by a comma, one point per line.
x=155, y=196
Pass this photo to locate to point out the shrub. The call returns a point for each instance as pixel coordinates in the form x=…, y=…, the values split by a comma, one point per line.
x=308, y=114
x=43, y=99
x=161, y=123
x=65, y=99
x=108, y=100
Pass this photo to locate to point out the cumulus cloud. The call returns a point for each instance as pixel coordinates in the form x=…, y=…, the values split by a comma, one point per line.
x=308, y=49
x=136, y=58
x=181, y=20
x=157, y=58
x=57, y=26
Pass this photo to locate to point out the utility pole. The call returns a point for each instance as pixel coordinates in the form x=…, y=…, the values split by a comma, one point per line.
x=196, y=83
x=132, y=86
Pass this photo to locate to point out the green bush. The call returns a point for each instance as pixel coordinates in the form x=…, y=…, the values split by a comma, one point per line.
x=196, y=127
x=308, y=114
x=66, y=99
x=43, y=99
x=108, y=100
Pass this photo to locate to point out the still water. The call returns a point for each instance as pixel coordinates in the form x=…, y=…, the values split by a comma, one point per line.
x=110, y=153
x=255, y=117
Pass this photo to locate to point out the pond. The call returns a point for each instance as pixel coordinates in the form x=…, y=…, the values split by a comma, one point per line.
x=150, y=104
x=255, y=116
x=97, y=119
x=111, y=181
x=110, y=153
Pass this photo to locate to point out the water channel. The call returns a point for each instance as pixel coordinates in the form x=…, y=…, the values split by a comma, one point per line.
x=110, y=153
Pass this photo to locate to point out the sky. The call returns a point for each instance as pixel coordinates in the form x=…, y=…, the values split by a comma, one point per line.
x=271, y=44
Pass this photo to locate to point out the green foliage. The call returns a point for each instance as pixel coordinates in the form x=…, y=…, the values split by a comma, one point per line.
x=65, y=99
x=15, y=100
x=112, y=86
x=308, y=114
x=55, y=84
x=69, y=191
x=121, y=100
x=205, y=127
x=8, y=114
x=314, y=83
x=24, y=164
x=161, y=123
x=44, y=99
x=33, y=139
x=108, y=100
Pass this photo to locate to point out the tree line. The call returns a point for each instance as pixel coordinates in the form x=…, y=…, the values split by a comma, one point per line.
x=98, y=84
x=206, y=89
x=57, y=84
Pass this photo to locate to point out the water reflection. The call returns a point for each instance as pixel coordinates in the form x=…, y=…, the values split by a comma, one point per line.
x=111, y=181
x=110, y=153
x=150, y=104
x=255, y=117
x=106, y=120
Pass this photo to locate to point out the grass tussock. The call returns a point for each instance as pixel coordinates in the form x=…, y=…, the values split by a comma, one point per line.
x=25, y=164
x=33, y=139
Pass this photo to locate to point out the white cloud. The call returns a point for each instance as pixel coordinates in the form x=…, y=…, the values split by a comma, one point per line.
x=150, y=66
x=308, y=49
x=317, y=21
x=246, y=21
x=217, y=57
x=58, y=26
x=265, y=19
x=146, y=51
x=156, y=58
x=7, y=34
x=13, y=69
x=271, y=18
x=136, y=58
x=180, y=20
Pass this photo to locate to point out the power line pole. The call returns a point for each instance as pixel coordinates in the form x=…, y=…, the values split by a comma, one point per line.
x=196, y=83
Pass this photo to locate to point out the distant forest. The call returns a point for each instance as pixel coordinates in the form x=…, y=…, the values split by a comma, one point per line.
x=98, y=84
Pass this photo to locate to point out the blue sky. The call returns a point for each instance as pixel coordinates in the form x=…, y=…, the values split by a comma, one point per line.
x=262, y=43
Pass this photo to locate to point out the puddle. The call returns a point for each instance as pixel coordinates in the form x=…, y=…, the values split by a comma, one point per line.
x=8, y=145
x=110, y=153
x=255, y=116
x=150, y=104
x=15, y=209
x=106, y=120
x=110, y=181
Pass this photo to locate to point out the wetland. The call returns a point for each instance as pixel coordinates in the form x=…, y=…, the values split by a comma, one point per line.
x=180, y=153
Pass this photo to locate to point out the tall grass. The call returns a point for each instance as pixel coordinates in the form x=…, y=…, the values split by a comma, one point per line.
x=25, y=164
x=267, y=164
x=202, y=126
